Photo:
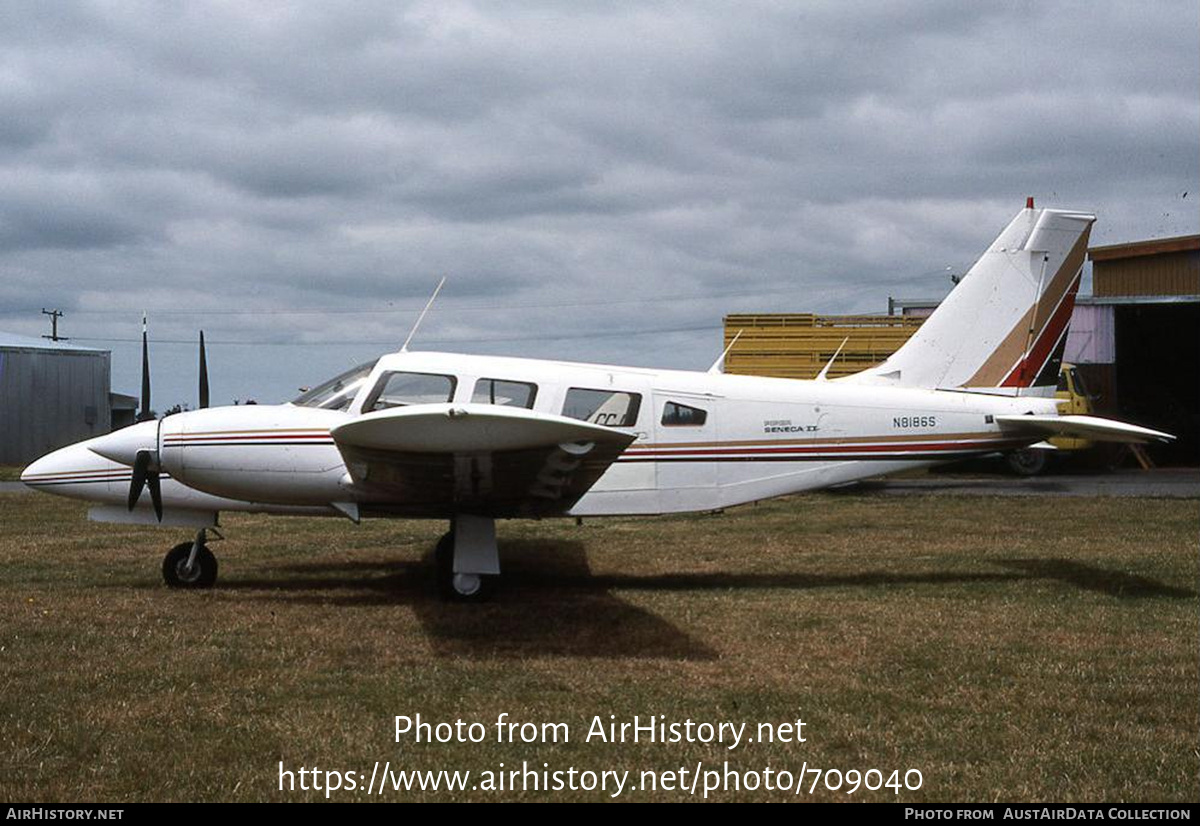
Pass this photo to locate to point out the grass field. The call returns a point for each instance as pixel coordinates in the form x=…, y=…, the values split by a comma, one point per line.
x=1011, y=649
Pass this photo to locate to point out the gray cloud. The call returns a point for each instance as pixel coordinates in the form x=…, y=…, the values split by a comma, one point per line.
x=574, y=169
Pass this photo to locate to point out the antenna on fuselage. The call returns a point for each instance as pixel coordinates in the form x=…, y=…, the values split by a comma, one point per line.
x=719, y=365
x=421, y=317
x=825, y=370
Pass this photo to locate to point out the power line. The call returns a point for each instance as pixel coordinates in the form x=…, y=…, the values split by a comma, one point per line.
x=394, y=342
x=642, y=299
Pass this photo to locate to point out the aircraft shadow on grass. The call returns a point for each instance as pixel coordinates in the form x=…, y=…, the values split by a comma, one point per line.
x=553, y=605
x=550, y=606
x=1090, y=578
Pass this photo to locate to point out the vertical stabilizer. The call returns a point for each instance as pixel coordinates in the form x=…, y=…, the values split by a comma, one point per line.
x=1005, y=323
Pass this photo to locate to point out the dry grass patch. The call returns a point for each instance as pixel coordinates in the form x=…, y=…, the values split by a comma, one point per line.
x=1009, y=648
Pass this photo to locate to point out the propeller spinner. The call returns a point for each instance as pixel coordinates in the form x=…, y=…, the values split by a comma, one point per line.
x=145, y=474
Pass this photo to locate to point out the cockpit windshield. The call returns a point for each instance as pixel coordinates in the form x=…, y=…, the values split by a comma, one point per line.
x=338, y=392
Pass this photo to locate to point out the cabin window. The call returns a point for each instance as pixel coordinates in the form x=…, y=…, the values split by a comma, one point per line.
x=680, y=415
x=397, y=389
x=612, y=408
x=503, y=392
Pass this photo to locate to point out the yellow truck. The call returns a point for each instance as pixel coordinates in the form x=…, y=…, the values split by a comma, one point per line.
x=1073, y=397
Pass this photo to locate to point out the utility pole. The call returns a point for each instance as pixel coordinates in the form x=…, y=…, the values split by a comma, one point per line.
x=55, y=315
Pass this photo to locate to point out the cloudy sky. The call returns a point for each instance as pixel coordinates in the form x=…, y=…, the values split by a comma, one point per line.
x=597, y=181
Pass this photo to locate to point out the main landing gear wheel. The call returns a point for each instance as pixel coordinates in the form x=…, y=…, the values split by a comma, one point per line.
x=202, y=573
x=458, y=587
x=1027, y=462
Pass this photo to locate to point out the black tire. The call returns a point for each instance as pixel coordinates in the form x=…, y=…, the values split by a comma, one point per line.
x=175, y=572
x=1027, y=462
x=458, y=587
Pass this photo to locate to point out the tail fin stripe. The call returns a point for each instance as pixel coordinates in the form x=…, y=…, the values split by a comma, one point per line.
x=1009, y=354
x=1048, y=377
x=1003, y=321
x=1030, y=366
x=1065, y=279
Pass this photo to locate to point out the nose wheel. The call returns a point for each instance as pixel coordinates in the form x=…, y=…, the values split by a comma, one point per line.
x=190, y=565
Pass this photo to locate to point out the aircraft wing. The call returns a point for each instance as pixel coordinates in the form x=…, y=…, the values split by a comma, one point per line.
x=1082, y=427
x=491, y=460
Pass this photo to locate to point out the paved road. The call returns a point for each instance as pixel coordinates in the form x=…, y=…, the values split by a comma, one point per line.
x=1175, y=483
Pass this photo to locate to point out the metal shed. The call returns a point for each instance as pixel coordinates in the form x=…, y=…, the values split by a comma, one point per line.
x=1146, y=299
x=52, y=393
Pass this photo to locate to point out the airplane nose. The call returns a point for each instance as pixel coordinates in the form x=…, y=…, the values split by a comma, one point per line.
x=39, y=468
x=53, y=469
x=123, y=445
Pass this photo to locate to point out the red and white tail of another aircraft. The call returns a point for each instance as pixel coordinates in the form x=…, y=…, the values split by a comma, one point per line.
x=473, y=439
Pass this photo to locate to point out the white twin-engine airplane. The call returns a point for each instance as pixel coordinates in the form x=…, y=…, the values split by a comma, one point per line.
x=473, y=439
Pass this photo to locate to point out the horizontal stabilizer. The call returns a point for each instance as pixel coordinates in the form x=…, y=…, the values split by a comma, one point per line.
x=1082, y=427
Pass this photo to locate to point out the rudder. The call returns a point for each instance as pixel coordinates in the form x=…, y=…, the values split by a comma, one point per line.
x=1005, y=324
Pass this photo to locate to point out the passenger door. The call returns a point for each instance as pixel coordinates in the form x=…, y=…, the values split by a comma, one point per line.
x=685, y=440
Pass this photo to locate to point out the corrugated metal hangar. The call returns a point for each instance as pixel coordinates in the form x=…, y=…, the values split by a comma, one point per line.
x=1133, y=339
x=51, y=394
x=1141, y=357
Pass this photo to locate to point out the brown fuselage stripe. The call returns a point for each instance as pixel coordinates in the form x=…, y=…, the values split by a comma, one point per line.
x=298, y=431
x=827, y=440
x=66, y=473
x=828, y=450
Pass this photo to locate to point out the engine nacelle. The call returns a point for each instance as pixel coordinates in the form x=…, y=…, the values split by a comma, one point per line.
x=278, y=454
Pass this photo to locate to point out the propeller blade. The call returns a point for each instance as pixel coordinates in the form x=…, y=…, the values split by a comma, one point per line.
x=203, y=374
x=141, y=469
x=145, y=411
x=155, y=493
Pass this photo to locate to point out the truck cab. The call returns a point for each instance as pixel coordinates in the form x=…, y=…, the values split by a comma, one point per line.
x=1073, y=399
